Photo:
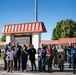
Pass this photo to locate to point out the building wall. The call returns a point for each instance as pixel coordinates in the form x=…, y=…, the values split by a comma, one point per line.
x=36, y=39
x=60, y=41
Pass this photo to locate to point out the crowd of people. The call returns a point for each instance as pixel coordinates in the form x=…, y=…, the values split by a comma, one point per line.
x=16, y=57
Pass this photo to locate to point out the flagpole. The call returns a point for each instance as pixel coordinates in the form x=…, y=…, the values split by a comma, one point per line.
x=36, y=10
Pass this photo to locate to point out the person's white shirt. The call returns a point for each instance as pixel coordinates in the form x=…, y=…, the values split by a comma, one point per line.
x=10, y=54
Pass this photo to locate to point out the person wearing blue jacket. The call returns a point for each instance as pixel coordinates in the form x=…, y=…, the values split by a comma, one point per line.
x=73, y=56
x=69, y=54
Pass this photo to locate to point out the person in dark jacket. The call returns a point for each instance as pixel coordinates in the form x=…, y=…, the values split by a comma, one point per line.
x=24, y=54
x=73, y=53
x=4, y=55
x=17, y=50
x=55, y=55
x=69, y=54
x=32, y=52
x=50, y=54
x=41, y=58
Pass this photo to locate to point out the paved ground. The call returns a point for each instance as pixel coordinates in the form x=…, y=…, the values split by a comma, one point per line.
x=67, y=71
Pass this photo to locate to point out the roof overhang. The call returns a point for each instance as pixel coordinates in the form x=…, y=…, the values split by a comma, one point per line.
x=21, y=28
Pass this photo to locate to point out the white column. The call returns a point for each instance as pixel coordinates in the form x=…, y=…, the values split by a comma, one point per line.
x=9, y=38
x=36, y=40
x=12, y=38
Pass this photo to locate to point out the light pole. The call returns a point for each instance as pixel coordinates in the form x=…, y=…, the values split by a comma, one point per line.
x=36, y=10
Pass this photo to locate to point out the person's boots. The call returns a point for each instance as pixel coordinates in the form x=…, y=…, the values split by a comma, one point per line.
x=32, y=68
x=73, y=71
x=48, y=68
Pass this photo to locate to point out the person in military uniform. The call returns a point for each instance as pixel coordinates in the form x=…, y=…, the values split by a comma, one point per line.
x=60, y=58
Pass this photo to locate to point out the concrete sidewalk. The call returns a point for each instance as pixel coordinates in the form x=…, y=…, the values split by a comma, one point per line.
x=55, y=72
x=67, y=71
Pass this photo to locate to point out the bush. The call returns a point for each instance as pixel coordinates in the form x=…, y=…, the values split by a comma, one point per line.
x=1, y=57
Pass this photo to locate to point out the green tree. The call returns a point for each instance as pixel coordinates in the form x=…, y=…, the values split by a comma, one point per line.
x=3, y=39
x=64, y=28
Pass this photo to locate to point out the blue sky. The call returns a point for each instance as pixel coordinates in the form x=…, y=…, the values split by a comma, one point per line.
x=49, y=11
